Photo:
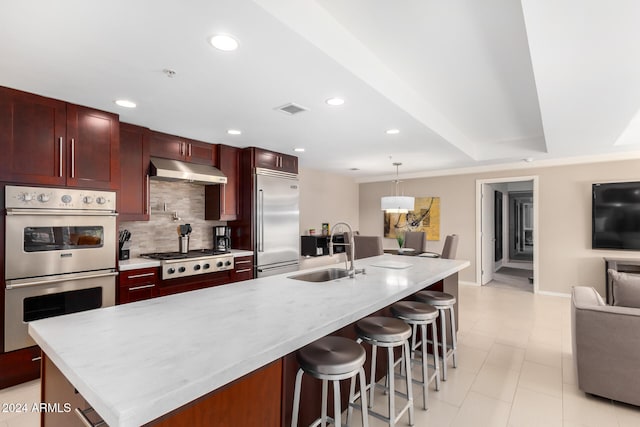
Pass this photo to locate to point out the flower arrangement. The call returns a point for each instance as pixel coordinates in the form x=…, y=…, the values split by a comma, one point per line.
x=400, y=238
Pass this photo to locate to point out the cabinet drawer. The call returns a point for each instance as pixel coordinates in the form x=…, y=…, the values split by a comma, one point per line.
x=141, y=275
x=138, y=285
x=244, y=274
x=19, y=366
x=243, y=269
x=243, y=262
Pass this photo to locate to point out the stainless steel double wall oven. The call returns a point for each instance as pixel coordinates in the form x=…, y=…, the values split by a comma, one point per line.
x=60, y=255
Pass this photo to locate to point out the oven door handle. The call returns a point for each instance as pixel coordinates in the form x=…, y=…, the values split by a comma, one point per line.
x=49, y=212
x=25, y=283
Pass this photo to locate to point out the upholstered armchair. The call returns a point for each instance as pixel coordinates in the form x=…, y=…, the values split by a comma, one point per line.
x=606, y=346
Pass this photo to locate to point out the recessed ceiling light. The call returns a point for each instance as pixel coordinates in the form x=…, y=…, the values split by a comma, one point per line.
x=125, y=103
x=393, y=131
x=299, y=150
x=528, y=159
x=234, y=132
x=224, y=42
x=169, y=72
x=335, y=101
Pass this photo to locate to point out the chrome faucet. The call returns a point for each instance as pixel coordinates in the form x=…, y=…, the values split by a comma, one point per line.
x=351, y=244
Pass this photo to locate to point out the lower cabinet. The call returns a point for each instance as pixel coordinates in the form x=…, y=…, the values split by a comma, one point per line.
x=56, y=389
x=138, y=285
x=19, y=366
x=243, y=268
x=145, y=283
x=191, y=283
x=252, y=400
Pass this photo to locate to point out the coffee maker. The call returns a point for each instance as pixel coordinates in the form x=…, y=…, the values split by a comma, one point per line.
x=222, y=238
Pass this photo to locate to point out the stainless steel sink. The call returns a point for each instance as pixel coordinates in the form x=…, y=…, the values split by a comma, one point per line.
x=322, y=275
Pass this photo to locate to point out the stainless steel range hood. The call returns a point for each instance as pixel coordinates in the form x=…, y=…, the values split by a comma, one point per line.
x=175, y=170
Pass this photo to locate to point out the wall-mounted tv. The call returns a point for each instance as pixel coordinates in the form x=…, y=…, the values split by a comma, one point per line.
x=616, y=216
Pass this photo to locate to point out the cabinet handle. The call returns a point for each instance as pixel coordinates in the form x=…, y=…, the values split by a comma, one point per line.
x=137, y=288
x=243, y=271
x=85, y=421
x=35, y=359
x=242, y=262
x=135, y=276
x=147, y=203
x=73, y=158
x=260, y=220
x=189, y=150
x=181, y=148
x=224, y=198
x=60, y=155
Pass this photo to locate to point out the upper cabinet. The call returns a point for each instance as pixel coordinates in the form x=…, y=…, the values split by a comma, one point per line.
x=275, y=161
x=177, y=148
x=94, y=144
x=221, y=201
x=51, y=142
x=133, y=198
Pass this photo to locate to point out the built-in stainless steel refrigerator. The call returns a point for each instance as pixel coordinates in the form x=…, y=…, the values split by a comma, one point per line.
x=276, y=222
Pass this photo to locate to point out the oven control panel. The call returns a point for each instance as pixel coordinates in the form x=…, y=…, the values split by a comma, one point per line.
x=172, y=269
x=19, y=197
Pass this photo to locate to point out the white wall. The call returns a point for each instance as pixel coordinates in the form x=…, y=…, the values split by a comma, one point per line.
x=566, y=257
x=326, y=197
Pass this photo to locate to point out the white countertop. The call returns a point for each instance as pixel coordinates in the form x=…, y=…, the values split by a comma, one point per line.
x=138, y=361
x=138, y=262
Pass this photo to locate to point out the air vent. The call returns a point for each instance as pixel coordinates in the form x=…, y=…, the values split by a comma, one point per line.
x=291, y=108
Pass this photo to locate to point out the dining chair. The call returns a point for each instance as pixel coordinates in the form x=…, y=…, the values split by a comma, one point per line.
x=414, y=240
x=449, y=250
x=450, y=247
x=367, y=246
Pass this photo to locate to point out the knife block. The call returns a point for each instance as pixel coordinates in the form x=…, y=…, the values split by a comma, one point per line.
x=123, y=251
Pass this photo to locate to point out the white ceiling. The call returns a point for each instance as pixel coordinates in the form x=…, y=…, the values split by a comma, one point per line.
x=467, y=82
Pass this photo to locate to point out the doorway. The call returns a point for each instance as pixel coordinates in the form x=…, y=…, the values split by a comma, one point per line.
x=521, y=226
x=506, y=240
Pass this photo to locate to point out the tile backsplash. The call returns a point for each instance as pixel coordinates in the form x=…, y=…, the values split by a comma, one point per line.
x=159, y=234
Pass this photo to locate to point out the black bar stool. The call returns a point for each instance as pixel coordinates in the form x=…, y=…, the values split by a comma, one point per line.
x=331, y=359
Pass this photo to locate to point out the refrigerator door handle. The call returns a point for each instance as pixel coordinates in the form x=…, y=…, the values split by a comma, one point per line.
x=260, y=220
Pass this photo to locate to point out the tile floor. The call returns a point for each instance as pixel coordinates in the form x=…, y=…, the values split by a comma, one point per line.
x=514, y=369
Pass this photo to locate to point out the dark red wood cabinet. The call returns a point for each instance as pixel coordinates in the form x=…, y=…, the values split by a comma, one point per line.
x=275, y=161
x=94, y=147
x=221, y=201
x=138, y=285
x=192, y=283
x=19, y=366
x=51, y=142
x=200, y=152
x=33, y=137
x=187, y=150
x=242, y=268
x=133, y=198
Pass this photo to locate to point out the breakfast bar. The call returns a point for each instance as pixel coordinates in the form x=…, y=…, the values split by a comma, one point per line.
x=150, y=361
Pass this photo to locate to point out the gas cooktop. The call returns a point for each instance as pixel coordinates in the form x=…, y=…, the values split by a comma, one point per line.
x=200, y=261
x=197, y=253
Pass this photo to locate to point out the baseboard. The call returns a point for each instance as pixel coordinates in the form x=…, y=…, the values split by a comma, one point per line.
x=554, y=294
x=466, y=283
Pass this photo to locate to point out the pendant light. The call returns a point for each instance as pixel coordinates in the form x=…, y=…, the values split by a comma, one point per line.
x=397, y=203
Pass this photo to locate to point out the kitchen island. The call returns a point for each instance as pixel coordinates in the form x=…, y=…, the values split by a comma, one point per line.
x=137, y=362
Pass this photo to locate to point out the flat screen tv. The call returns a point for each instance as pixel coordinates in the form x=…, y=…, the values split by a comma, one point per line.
x=616, y=216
